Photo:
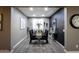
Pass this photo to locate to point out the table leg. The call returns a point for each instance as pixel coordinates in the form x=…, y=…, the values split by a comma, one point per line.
x=39, y=40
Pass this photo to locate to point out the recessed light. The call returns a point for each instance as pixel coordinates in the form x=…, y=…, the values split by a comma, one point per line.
x=46, y=9
x=31, y=9
x=34, y=15
x=43, y=15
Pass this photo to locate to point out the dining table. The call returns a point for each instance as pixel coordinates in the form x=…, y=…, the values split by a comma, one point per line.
x=38, y=34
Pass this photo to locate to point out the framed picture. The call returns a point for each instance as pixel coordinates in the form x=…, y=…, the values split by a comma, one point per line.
x=1, y=22
x=22, y=23
x=46, y=24
x=54, y=25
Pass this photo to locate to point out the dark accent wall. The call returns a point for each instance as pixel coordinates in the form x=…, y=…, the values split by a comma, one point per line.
x=5, y=33
x=59, y=16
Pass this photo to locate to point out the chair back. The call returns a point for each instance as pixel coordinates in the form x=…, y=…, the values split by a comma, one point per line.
x=31, y=33
x=46, y=32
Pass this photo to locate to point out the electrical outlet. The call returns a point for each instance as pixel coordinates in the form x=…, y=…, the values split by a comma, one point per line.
x=77, y=46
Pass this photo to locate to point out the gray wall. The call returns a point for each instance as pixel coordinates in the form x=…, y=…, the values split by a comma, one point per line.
x=17, y=33
x=72, y=40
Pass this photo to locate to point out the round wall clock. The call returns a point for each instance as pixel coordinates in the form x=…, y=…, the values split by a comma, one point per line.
x=74, y=21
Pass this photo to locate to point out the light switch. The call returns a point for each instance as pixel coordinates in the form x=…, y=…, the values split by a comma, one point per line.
x=76, y=45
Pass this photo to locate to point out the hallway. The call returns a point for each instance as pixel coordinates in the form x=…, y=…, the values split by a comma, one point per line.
x=51, y=47
x=36, y=23
x=28, y=24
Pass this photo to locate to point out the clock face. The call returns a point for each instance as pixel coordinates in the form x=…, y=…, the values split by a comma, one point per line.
x=74, y=21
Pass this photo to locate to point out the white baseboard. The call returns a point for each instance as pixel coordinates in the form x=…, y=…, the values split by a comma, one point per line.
x=18, y=44
x=62, y=46
x=72, y=51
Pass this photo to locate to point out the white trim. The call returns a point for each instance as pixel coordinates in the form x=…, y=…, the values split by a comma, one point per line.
x=72, y=51
x=18, y=44
x=61, y=46
x=65, y=26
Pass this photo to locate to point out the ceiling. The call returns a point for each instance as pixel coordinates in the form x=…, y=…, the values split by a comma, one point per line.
x=38, y=11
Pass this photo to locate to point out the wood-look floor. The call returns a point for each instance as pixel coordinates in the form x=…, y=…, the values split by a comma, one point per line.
x=51, y=47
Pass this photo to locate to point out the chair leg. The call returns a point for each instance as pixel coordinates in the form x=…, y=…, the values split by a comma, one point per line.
x=46, y=41
x=30, y=41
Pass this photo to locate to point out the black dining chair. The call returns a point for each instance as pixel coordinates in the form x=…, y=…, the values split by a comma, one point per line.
x=31, y=32
x=32, y=37
x=45, y=36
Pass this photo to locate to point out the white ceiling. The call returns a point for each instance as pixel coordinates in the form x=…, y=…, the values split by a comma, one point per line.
x=38, y=11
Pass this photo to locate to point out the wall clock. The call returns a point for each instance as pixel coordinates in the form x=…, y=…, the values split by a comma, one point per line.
x=74, y=21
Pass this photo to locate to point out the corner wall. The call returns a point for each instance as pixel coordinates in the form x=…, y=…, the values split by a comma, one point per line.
x=17, y=34
x=72, y=40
